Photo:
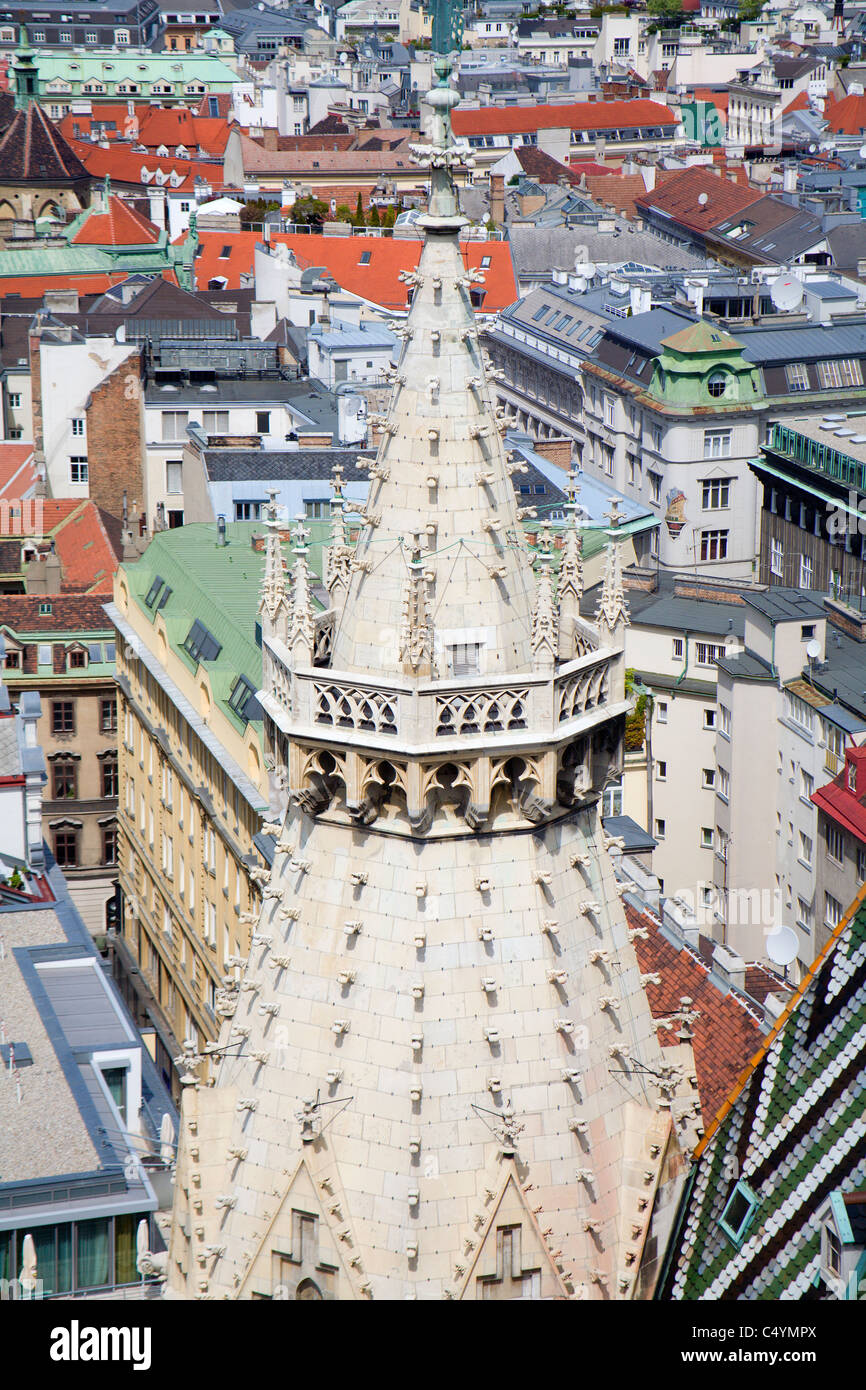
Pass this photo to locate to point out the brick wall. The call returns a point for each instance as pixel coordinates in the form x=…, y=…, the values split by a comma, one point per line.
x=115, y=439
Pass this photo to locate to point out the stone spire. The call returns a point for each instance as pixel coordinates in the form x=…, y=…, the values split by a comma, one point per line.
x=416, y=637
x=274, y=602
x=25, y=72
x=570, y=588
x=545, y=640
x=301, y=635
x=339, y=555
x=441, y=469
x=612, y=612
x=436, y=1067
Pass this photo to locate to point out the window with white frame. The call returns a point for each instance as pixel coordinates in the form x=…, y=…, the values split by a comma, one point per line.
x=465, y=659
x=807, y=784
x=717, y=444
x=608, y=409
x=835, y=841
x=677, y=648
x=805, y=848
x=174, y=423
x=709, y=718
x=174, y=477
x=776, y=556
x=844, y=371
x=215, y=421
x=708, y=653
x=799, y=712
x=706, y=837
x=833, y=910
x=725, y=720
x=661, y=770
x=723, y=783
x=797, y=376
x=708, y=778
x=805, y=571
x=659, y=831
x=655, y=485
x=861, y=864
x=804, y=913
x=78, y=469
x=714, y=545
x=661, y=711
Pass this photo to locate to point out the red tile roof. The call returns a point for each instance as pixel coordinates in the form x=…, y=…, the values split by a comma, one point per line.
x=679, y=198
x=34, y=286
x=18, y=473
x=578, y=115
x=800, y=103
x=121, y=225
x=87, y=556
x=151, y=126
x=69, y=613
x=727, y=1033
x=378, y=281
x=837, y=800
x=848, y=116
x=123, y=165
x=717, y=99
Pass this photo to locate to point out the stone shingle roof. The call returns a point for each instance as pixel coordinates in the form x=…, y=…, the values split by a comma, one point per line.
x=792, y=1130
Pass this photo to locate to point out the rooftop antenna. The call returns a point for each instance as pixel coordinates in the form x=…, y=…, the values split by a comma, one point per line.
x=813, y=651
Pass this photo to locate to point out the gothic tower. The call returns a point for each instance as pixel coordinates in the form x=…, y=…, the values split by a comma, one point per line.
x=437, y=1075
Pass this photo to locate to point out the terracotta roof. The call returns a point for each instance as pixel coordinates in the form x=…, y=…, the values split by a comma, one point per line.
x=848, y=116
x=310, y=164
x=18, y=473
x=120, y=225
x=717, y=99
x=844, y=806
x=86, y=282
x=123, y=165
x=150, y=126
x=88, y=558
x=69, y=613
x=679, y=197
x=579, y=115
x=727, y=1032
x=543, y=167
x=32, y=150
x=619, y=193
x=800, y=103
x=377, y=280
x=224, y=104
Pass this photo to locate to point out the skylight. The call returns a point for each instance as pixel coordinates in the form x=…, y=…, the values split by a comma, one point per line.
x=201, y=644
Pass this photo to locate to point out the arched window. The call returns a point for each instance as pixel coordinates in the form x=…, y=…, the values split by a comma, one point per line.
x=717, y=384
x=307, y=1289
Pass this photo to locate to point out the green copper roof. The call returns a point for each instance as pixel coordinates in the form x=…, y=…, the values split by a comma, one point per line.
x=794, y=1133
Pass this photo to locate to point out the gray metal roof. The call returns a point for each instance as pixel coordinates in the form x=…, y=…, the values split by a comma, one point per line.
x=258, y=465
x=746, y=666
x=782, y=605
x=80, y=998
x=807, y=342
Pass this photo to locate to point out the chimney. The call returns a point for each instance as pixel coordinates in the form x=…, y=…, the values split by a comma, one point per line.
x=497, y=199
x=270, y=138
x=789, y=178
x=640, y=297
x=730, y=968
x=156, y=201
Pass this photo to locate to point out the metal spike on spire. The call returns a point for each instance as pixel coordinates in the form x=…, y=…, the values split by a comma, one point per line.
x=545, y=639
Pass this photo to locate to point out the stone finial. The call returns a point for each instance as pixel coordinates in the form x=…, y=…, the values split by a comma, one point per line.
x=416, y=637
x=570, y=588
x=301, y=636
x=544, y=639
x=338, y=556
x=274, y=601
x=612, y=613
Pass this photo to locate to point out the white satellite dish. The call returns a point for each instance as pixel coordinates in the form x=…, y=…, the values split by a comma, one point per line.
x=786, y=292
x=863, y=151
x=782, y=945
x=813, y=649
x=704, y=199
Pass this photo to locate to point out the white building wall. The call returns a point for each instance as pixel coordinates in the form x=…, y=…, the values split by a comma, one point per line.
x=69, y=372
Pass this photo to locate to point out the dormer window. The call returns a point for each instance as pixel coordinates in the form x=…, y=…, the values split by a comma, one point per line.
x=717, y=384
x=852, y=777
x=739, y=1213
x=832, y=1251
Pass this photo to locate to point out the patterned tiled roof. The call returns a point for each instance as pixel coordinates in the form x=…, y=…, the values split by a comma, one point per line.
x=33, y=150
x=793, y=1130
x=727, y=1033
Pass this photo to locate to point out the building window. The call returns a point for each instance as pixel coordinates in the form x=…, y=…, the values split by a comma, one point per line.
x=248, y=511
x=108, y=716
x=739, y=1213
x=717, y=384
x=465, y=659
x=708, y=653
x=723, y=786
x=611, y=799
x=661, y=770
x=109, y=844
x=861, y=865
x=109, y=777
x=659, y=831
x=717, y=444
x=807, y=785
x=78, y=469
x=715, y=494
x=797, y=376
x=15, y=400
x=662, y=711
x=243, y=700
x=833, y=910
x=804, y=913
x=677, y=646
x=201, y=644
x=714, y=545
x=91, y=37
x=709, y=718
x=77, y=426
x=832, y=1251
x=805, y=571
x=263, y=422
x=708, y=778
x=776, y=554
x=174, y=423
x=121, y=36
x=805, y=849
x=66, y=848
x=63, y=717
x=216, y=421
x=835, y=844
x=174, y=477
x=655, y=485
x=846, y=371
x=39, y=36
x=799, y=712
x=64, y=778
x=706, y=837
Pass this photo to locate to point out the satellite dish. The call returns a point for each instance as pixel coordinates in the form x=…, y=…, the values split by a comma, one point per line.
x=782, y=945
x=704, y=199
x=786, y=292
x=813, y=649
x=863, y=151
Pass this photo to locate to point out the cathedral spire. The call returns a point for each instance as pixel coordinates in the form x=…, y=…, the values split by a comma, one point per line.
x=570, y=589
x=612, y=612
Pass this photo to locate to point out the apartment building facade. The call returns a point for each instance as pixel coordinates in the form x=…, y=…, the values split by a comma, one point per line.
x=193, y=785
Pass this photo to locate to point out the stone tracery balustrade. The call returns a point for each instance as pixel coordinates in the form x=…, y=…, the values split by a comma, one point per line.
x=481, y=711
